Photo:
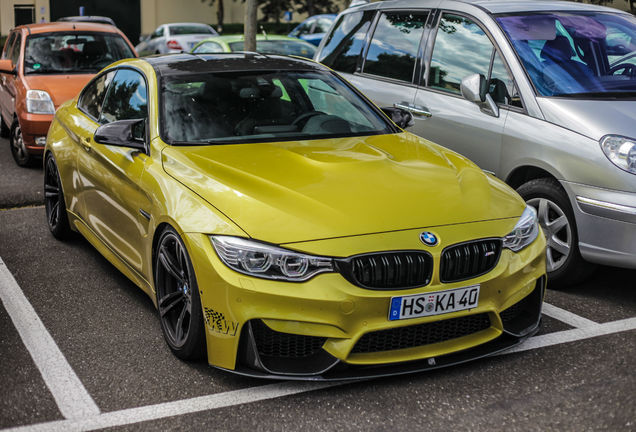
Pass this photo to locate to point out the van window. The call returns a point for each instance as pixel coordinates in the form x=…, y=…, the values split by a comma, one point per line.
x=395, y=44
x=461, y=49
x=15, y=50
x=7, y=46
x=344, y=44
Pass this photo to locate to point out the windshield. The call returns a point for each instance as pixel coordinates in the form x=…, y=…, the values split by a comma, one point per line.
x=576, y=54
x=241, y=107
x=283, y=47
x=63, y=53
x=190, y=29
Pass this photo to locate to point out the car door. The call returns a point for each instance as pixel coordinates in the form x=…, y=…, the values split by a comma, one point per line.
x=389, y=64
x=460, y=47
x=112, y=200
x=7, y=81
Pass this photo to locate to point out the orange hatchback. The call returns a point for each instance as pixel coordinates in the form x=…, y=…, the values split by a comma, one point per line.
x=44, y=65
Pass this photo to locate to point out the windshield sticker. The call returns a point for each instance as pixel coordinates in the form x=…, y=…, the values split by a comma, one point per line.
x=37, y=66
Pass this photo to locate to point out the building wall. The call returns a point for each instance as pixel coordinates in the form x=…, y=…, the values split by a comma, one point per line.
x=157, y=12
x=7, y=16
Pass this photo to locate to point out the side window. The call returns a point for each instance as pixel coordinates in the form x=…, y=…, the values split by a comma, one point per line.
x=501, y=85
x=322, y=25
x=461, y=49
x=8, y=45
x=305, y=28
x=208, y=47
x=126, y=99
x=91, y=99
x=345, y=42
x=395, y=44
x=15, y=50
x=157, y=33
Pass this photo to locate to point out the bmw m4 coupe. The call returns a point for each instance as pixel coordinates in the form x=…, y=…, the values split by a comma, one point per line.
x=284, y=226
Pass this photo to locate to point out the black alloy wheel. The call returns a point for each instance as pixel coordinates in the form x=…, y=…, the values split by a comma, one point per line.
x=18, y=148
x=54, y=203
x=178, y=298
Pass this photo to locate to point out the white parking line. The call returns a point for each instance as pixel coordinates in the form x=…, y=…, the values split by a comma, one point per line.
x=567, y=317
x=82, y=414
x=68, y=391
x=576, y=334
x=271, y=391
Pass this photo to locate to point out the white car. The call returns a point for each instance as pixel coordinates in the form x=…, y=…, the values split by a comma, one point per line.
x=174, y=38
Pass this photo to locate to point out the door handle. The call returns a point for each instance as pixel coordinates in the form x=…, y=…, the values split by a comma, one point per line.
x=86, y=143
x=417, y=110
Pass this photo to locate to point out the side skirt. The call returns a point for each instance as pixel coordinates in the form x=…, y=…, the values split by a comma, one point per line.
x=121, y=265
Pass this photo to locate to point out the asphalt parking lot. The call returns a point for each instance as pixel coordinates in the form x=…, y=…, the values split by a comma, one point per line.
x=81, y=349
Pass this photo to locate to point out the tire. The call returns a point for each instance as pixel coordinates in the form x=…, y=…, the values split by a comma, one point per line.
x=178, y=301
x=5, y=131
x=54, y=203
x=19, y=151
x=563, y=259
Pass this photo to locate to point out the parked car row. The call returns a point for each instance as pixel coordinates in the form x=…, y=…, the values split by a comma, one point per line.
x=541, y=94
x=287, y=227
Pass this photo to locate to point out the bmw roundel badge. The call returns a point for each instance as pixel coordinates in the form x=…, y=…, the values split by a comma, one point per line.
x=428, y=238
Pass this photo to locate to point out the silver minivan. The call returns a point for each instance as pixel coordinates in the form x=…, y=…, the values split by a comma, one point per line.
x=539, y=93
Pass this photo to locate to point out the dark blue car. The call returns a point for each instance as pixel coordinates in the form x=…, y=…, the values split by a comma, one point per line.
x=313, y=29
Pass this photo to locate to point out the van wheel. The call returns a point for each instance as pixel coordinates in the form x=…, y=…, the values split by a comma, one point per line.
x=18, y=148
x=563, y=259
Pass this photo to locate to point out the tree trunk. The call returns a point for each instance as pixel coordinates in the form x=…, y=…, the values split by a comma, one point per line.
x=250, y=25
x=219, y=16
x=310, y=7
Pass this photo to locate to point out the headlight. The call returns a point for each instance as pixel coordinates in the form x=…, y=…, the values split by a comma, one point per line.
x=39, y=102
x=269, y=262
x=621, y=151
x=524, y=232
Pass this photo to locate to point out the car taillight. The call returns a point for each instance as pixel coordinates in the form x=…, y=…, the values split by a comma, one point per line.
x=173, y=44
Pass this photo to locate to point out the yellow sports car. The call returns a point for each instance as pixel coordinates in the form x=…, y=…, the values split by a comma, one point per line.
x=284, y=226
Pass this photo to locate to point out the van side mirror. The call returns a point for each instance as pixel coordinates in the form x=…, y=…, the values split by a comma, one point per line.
x=400, y=117
x=7, y=66
x=474, y=88
x=123, y=133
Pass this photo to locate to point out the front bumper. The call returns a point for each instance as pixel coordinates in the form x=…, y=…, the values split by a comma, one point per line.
x=34, y=126
x=606, y=224
x=339, y=314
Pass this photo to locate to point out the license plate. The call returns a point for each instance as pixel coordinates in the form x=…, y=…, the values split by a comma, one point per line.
x=435, y=303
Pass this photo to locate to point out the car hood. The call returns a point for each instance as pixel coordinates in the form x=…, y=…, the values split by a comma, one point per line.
x=60, y=87
x=592, y=118
x=308, y=190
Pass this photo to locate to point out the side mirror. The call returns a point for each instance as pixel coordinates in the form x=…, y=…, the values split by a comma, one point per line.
x=474, y=88
x=7, y=66
x=123, y=133
x=400, y=117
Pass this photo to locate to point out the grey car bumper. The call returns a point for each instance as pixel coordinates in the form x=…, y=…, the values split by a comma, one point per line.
x=606, y=222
